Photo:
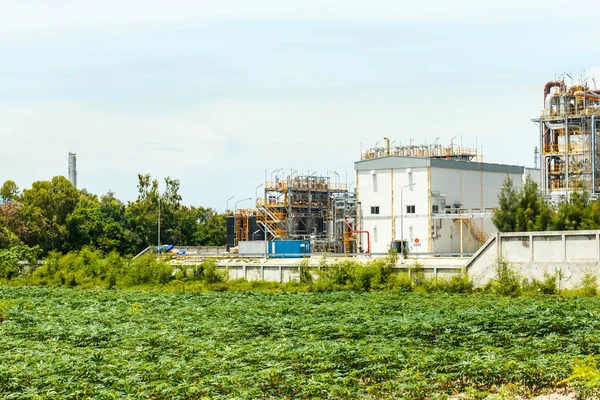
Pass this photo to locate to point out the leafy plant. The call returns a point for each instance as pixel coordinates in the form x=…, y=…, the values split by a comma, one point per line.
x=252, y=344
x=507, y=281
x=589, y=284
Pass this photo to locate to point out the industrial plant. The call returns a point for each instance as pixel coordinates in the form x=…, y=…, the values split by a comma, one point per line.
x=430, y=199
x=569, y=129
x=310, y=210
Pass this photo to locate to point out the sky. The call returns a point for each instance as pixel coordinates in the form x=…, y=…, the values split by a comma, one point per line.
x=220, y=94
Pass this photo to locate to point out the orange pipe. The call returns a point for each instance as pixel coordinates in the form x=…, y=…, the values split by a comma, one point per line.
x=367, y=232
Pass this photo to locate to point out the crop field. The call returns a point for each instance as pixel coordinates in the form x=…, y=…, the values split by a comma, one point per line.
x=63, y=343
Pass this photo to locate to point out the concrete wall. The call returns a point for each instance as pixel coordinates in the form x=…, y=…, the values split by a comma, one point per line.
x=572, y=254
x=286, y=270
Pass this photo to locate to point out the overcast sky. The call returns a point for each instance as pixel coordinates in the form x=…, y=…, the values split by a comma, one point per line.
x=215, y=93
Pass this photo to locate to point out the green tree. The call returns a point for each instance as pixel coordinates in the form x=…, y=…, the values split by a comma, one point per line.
x=9, y=191
x=49, y=204
x=570, y=214
x=211, y=229
x=56, y=198
x=591, y=216
x=533, y=213
x=505, y=217
x=91, y=225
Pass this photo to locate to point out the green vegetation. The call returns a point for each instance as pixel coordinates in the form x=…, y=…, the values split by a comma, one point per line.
x=91, y=269
x=63, y=343
x=525, y=209
x=55, y=216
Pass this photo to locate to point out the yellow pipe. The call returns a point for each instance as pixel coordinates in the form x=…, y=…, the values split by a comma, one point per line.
x=388, y=145
x=461, y=237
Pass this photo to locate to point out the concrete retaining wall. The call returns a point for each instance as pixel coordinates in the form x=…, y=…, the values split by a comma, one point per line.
x=571, y=254
x=286, y=270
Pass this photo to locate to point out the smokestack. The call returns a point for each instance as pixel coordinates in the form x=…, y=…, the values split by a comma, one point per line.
x=73, y=168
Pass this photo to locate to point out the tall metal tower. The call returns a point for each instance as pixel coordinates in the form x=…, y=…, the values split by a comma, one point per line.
x=73, y=168
x=569, y=137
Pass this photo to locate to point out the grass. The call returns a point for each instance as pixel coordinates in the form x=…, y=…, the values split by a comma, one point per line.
x=65, y=343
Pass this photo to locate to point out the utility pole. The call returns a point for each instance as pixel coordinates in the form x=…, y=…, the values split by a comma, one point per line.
x=159, y=249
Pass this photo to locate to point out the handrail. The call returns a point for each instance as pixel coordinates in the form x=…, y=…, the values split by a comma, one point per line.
x=142, y=252
x=367, y=232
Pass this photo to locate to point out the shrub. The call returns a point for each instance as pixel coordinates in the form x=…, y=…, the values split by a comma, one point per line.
x=207, y=271
x=417, y=273
x=457, y=284
x=304, y=272
x=147, y=270
x=507, y=282
x=400, y=282
x=589, y=284
x=546, y=286
x=336, y=275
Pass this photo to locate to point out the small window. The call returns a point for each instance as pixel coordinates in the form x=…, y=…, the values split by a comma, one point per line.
x=374, y=209
x=410, y=209
x=435, y=208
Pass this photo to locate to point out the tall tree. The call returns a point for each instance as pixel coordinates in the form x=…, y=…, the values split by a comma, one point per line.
x=533, y=212
x=211, y=229
x=505, y=217
x=9, y=191
x=570, y=214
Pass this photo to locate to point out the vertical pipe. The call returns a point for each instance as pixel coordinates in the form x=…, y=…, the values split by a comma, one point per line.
x=461, y=237
x=567, y=152
x=593, y=158
x=402, y=217
x=469, y=238
x=159, y=225
x=542, y=165
x=393, y=216
x=429, y=212
x=358, y=206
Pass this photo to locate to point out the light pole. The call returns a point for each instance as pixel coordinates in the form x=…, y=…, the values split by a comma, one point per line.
x=402, y=212
x=159, y=249
x=338, y=178
x=256, y=193
x=274, y=172
x=227, y=206
x=235, y=217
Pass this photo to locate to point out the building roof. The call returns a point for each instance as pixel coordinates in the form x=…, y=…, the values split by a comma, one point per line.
x=400, y=162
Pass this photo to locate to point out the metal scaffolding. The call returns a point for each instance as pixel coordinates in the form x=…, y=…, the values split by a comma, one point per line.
x=569, y=130
x=308, y=207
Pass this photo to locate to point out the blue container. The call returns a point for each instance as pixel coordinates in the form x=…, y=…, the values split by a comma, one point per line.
x=289, y=248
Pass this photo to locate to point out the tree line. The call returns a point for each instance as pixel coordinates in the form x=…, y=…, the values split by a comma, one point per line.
x=55, y=216
x=526, y=209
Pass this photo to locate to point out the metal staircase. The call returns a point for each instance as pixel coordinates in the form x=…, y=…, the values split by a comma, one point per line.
x=480, y=235
x=273, y=220
x=477, y=233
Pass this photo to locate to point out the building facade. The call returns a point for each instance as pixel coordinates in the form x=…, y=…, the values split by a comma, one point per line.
x=434, y=205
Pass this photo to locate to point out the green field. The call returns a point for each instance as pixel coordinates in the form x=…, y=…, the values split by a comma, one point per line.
x=63, y=343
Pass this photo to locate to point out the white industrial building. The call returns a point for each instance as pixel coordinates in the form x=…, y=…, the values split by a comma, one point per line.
x=438, y=200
